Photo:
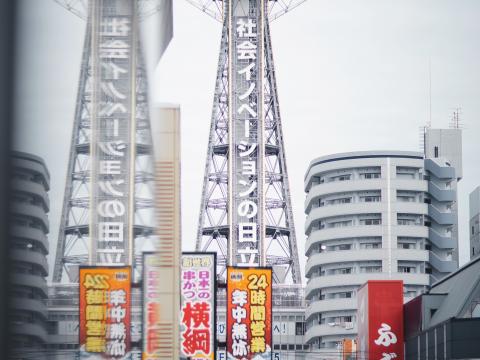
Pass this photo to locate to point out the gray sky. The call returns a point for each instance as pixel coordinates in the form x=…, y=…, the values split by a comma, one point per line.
x=352, y=75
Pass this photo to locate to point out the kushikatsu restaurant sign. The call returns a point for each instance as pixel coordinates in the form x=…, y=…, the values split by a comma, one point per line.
x=380, y=320
x=198, y=306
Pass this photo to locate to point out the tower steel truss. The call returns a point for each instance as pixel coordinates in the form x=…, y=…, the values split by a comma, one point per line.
x=218, y=228
x=74, y=246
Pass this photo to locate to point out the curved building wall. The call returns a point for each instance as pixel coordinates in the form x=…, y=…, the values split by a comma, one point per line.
x=366, y=219
x=28, y=253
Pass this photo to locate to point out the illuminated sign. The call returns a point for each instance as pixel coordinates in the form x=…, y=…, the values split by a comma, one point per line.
x=112, y=139
x=247, y=130
x=380, y=320
x=249, y=313
x=198, y=312
x=105, y=311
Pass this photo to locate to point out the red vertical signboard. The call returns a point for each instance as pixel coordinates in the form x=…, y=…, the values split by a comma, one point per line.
x=380, y=320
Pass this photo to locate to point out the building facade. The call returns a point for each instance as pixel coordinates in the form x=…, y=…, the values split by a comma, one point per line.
x=444, y=169
x=443, y=323
x=372, y=216
x=28, y=250
x=474, y=224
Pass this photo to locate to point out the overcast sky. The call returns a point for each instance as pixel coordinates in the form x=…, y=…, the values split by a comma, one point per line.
x=351, y=75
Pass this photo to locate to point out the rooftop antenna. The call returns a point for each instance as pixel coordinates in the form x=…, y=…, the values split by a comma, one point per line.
x=455, y=121
x=429, y=122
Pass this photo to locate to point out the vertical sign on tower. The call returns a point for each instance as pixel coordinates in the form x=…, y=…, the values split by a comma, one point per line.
x=112, y=138
x=249, y=313
x=105, y=311
x=380, y=320
x=247, y=132
x=198, y=309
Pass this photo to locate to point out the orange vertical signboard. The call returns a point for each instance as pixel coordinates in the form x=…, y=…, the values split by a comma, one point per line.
x=249, y=313
x=105, y=311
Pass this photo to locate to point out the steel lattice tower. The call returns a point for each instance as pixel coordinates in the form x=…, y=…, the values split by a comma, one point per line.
x=75, y=244
x=218, y=228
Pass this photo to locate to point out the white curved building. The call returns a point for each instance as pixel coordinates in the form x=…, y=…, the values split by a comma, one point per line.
x=370, y=216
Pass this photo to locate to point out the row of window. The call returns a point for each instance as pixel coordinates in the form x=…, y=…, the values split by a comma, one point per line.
x=374, y=196
x=363, y=270
x=402, y=220
x=291, y=347
x=367, y=173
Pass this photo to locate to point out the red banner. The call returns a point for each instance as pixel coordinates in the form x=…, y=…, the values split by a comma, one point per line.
x=105, y=311
x=249, y=313
x=380, y=320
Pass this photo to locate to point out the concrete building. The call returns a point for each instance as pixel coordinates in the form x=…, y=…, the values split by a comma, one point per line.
x=444, y=322
x=28, y=249
x=373, y=215
x=444, y=147
x=474, y=225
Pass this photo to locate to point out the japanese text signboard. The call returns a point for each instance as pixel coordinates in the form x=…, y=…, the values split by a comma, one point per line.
x=105, y=311
x=380, y=320
x=112, y=139
x=249, y=313
x=198, y=307
x=247, y=133
x=152, y=303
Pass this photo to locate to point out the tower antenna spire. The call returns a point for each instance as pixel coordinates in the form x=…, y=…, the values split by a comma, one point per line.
x=429, y=122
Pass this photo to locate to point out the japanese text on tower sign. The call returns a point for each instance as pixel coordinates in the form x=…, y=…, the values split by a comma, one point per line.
x=112, y=146
x=246, y=115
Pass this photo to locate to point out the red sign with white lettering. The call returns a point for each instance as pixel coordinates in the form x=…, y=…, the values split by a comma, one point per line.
x=380, y=320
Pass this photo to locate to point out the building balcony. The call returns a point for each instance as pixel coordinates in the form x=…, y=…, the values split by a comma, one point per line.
x=321, y=306
x=30, y=234
x=33, y=166
x=358, y=279
x=415, y=231
x=342, y=256
x=29, y=305
x=440, y=171
x=441, y=241
x=443, y=218
x=322, y=330
x=29, y=329
x=29, y=280
x=441, y=194
x=32, y=188
x=443, y=266
x=317, y=237
x=31, y=257
x=342, y=210
x=401, y=207
x=333, y=187
x=410, y=255
x=29, y=210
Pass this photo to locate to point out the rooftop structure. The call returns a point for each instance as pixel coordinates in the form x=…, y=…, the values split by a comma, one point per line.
x=474, y=224
x=444, y=322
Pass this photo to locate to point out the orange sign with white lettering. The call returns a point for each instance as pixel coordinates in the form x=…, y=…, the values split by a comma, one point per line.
x=249, y=313
x=105, y=311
